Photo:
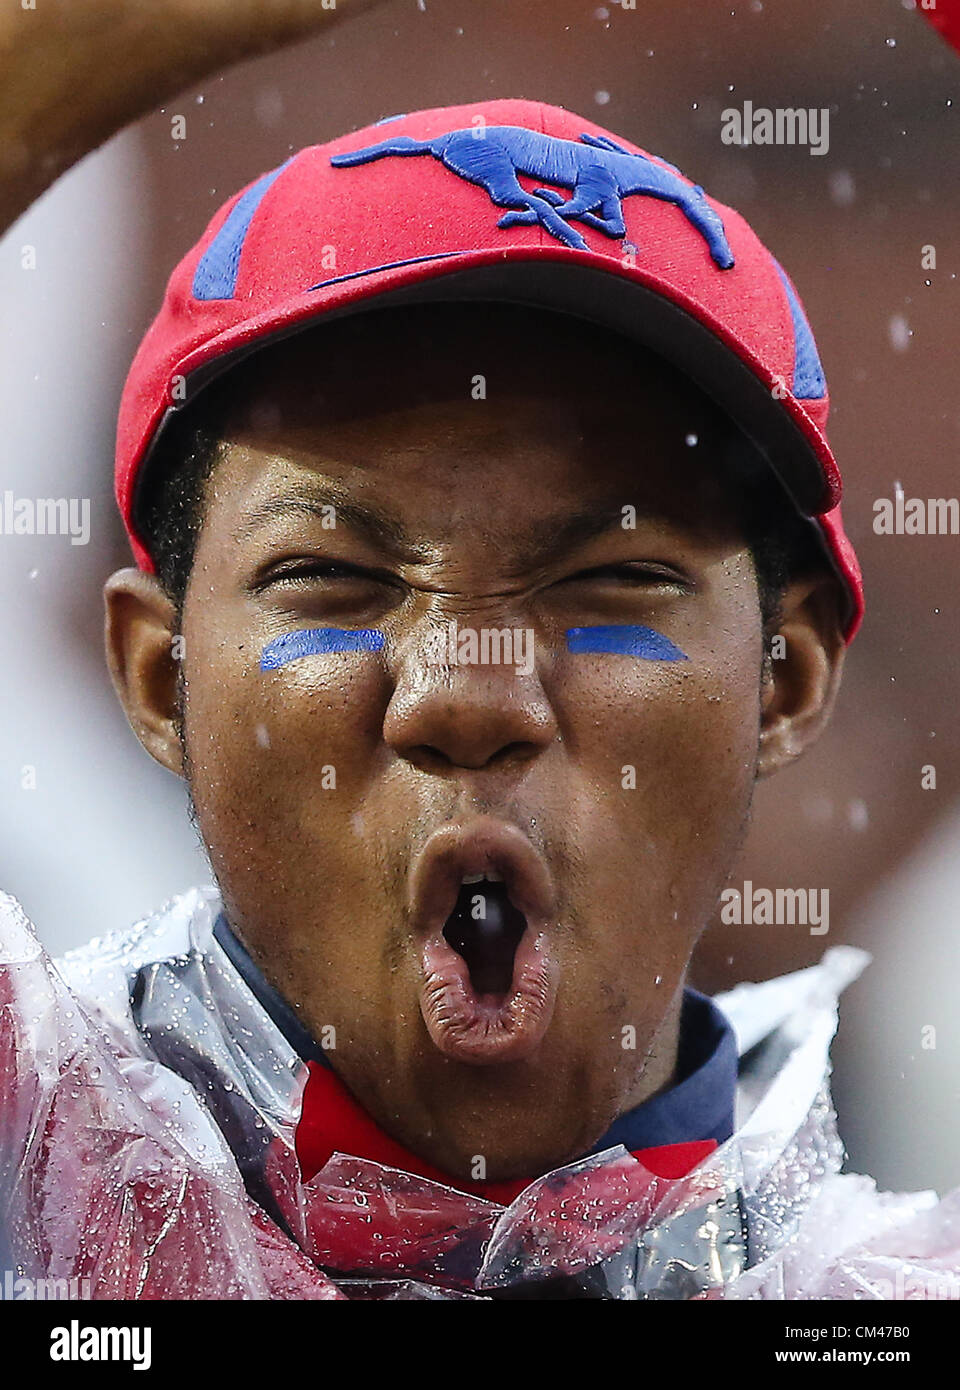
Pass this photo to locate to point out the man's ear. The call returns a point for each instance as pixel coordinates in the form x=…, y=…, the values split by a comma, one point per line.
x=140, y=634
x=804, y=676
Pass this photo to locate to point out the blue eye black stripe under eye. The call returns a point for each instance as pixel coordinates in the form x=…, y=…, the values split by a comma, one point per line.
x=624, y=640
x=318, y=641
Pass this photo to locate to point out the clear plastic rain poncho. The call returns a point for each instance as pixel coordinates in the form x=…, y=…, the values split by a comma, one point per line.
x=148, y=1107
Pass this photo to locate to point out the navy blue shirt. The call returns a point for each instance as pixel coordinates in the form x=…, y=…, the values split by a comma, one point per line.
x=698, y=1105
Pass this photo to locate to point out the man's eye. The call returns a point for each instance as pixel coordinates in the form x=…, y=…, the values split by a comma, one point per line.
x=632, y=573
x=304, y=572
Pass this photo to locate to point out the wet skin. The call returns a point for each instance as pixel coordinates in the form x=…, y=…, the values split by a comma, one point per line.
x=475, y=505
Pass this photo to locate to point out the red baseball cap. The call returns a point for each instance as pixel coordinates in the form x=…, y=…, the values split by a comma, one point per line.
x=511, y=201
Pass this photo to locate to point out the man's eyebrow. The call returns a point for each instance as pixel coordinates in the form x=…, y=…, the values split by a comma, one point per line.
x=544, y=541
x=375, y=526
x=551, y=538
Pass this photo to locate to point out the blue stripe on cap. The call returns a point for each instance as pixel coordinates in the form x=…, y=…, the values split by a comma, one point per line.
x=809, y=382
x=318, y=641
x=624, y=640
x=216, y=274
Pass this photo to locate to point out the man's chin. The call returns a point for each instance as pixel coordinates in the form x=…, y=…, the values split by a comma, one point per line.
x=497, y=1123
x=501, y=1155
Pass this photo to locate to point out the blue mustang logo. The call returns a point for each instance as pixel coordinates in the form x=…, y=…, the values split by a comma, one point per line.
x=598, y=172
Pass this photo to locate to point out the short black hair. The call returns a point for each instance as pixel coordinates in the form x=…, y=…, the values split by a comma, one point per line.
x=171, y=499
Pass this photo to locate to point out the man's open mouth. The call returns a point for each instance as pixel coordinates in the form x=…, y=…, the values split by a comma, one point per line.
x=486, y=928
x=482, y=905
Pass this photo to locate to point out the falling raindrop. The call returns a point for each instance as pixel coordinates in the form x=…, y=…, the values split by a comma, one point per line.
x=843, y=190
x=900, y=333
x=268, y=106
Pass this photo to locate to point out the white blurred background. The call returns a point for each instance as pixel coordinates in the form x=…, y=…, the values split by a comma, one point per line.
x=92, y=832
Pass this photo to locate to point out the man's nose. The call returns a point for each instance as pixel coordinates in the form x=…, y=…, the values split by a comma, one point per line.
x=447, y=711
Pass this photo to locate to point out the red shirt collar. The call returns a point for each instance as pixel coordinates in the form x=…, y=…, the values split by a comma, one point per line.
x=332, y=1121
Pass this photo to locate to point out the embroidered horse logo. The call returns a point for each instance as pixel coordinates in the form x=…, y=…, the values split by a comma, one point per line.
x=598, y=172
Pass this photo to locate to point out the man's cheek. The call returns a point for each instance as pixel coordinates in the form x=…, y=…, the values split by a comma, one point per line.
x=670, y=756
x=285, y=744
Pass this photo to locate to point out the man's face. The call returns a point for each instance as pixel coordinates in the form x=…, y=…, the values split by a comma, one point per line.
x=481, y=464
